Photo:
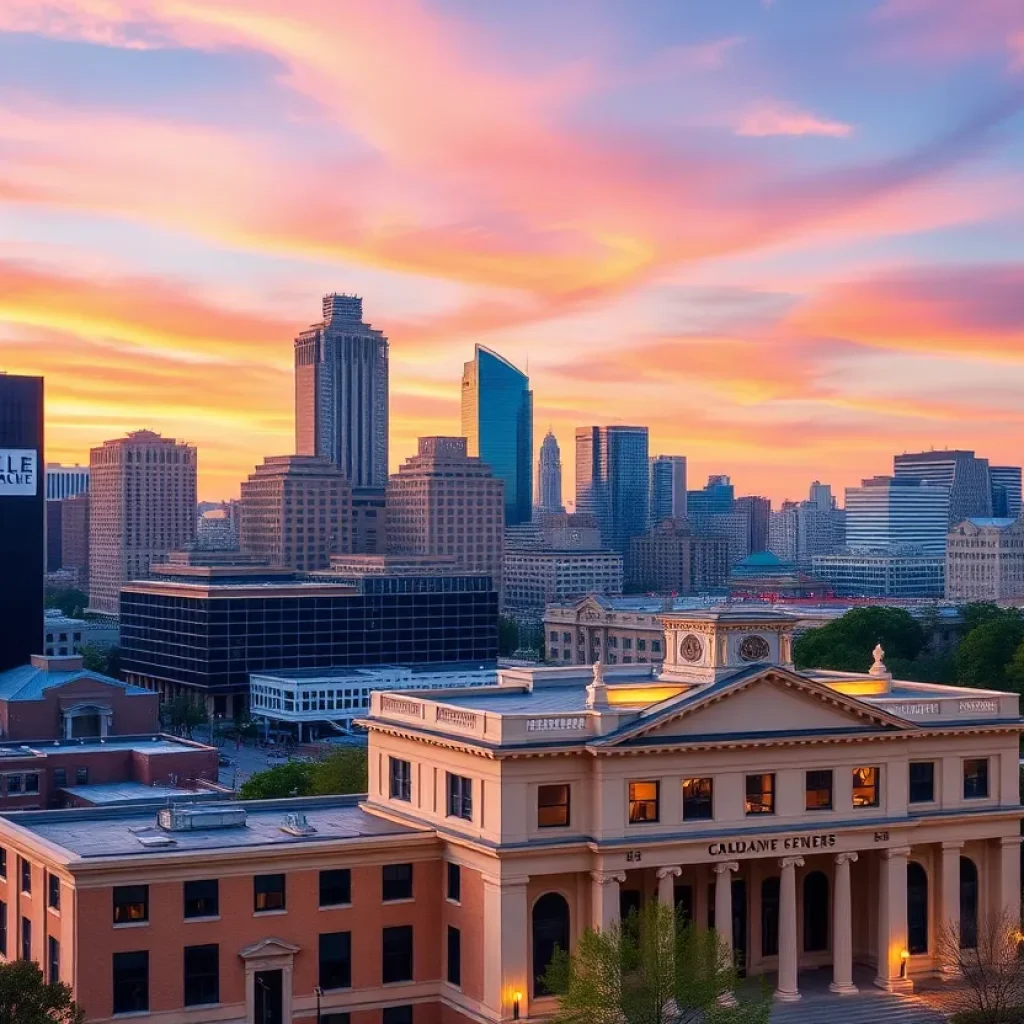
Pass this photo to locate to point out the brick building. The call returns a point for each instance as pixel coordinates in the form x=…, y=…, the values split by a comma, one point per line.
x=74, y=527
x=672, y=558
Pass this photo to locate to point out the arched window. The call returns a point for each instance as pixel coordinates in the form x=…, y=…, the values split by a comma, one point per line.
x=770, y=917
x=968, y=904
x=816, y=912
x=550, y=929
x=917, y=908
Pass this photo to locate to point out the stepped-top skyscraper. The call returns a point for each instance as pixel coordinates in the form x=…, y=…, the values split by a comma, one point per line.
x=341, y=392
x=549, y=475
x=497, y=422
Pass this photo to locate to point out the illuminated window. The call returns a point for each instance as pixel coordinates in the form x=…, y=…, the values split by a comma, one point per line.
x=865, y=787
x=818, y=790
x=643, y=802
x=698, y=804
x=760, y=798
x=552, y=806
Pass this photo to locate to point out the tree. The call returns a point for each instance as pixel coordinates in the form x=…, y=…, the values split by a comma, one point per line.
x=25, y=998
x=279, y=782
x=183, y=714
x=1015, y=670
x=341, y=771
x=846, y=643
x=984, y=655
x=105, y=660
x=977, y=613
x=508, y=635
x=653, y=967
x=70, y=601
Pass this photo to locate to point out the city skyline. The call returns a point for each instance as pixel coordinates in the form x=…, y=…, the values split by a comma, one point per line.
x=802, y=217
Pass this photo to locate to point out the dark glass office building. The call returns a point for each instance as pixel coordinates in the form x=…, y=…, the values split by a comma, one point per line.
x=497, y=422
x=22, y=519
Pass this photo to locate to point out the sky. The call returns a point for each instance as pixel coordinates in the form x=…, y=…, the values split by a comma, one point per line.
x=787, y=235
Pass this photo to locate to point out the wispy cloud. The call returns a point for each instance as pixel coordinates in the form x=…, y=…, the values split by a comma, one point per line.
x=778, y=119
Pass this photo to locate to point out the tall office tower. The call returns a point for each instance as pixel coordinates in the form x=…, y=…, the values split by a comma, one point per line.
x=443, y=501
x=894, y=514
x=549, y=475
x=612, y=481
x=668, y=488
x=801, y=530
x=54, y=535
x=497, y=422
x=142, y=504
x=1006, y=491
x=821, y=496
x=296, y=511
x=757, y=510
x=962, y=473
x=717, y=496
x=74, y=528
x=65, y=481
x=369, y=521
x=671, y=559
x=341, y=392
x=22, y=519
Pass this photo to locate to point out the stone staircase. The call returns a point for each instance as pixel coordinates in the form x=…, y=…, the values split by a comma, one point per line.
x=866, y=1008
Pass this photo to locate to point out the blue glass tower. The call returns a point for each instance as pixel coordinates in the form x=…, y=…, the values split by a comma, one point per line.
x=497, y=422
x=612, y=481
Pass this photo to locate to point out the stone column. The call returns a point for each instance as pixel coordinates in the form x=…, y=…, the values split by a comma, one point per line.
x=892, y=919
x=667, y=886
x=842, y=927
x=505, y=952
x=789, y=956
x=949, y=923
x=604, y=898
x=1009, y=878
x=723, y=903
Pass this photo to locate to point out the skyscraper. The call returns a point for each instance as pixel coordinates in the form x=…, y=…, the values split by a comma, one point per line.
x=22, y=519
x=1006, y=491
x=549, y=475
x=497, y=422
x=668, y=488
x=717, y=496
x=341, y=392
x=758, y=512
x=894, y=514
x=142, y=504
x=964, y=475
x=612, y=481
x=65, y=481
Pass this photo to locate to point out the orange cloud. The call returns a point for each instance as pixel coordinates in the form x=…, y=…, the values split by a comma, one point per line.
x=776, y=119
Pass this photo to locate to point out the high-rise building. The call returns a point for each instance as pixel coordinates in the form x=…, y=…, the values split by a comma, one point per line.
x=549, y=475
x=612, y=481
x=74, y=528
x=65, y=481
x=962, y=473
x=369, y=520
x=341, y=392
x=497, y=422
x=142, y=505
x=671, y=558
x=296, y=511
x=799, y=530
x=897, y=514
x=821, y=496
x=758, y=512
x=1006, y=491
x=985, y=560
x=22, y=519
x=54, y=535
x=667, y=498
x=443, y=501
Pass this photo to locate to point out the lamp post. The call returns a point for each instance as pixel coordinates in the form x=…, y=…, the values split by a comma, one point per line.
x=318, y=992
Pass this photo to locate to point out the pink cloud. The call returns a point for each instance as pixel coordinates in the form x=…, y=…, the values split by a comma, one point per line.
x=777, y=119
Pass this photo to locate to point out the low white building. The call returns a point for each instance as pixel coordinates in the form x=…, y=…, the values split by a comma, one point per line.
x=63, y=635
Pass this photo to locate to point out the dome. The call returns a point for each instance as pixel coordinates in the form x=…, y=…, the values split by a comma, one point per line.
x=762, y=560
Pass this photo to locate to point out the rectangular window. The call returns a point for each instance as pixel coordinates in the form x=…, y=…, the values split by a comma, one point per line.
x=818, y=790
x=865, y=787
x=81, y=776
x=643, y=802
x=396, y=962
x=400, y=773
x=335, y=960
x=131, y=982
x=698, y=803
x=53, y=891
x=268, y=893
x=454, y=882
x=460, y=797
x=397, y=1015
x=454, y=956
x=922, y=782
x=26, y=875
x=202, y=975
x=131, y=903
x=335, y=1018
x=552, y=806
x=60, y=778
x=3, y=863
x=396, y=882
x=760, y=798
x=52, y=960
x=13, y=784
x=26, y=939
x=32, y=782
x=202, y=898
x=3, y=928
x=975, y=778
x=335, y=887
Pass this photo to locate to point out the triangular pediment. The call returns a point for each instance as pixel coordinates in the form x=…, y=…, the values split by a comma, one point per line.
x=772, y=701
x=269, y=947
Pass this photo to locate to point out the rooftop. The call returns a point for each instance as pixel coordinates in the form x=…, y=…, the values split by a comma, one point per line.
x=30, y=682
x=123, y=793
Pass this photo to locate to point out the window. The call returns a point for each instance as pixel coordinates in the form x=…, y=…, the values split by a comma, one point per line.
x=454, y=956
x=335, y=960
x=397, y=1015
x=52, y=960
x=396, y=882
x=643, y=802
x=131, y=904
x=26, y=875
x=32, y=782
x=968, y=904
x=460, y=797
x=400, y=779
x=552, y=806
x=865, y=787
x=202, y=898
x=3, y=862
x=550, y=919
x=53, y=891
x=335, y=887
x=454, y=882
x=396, y=960
x=818, y=790
x=13, y=784
x=917, y=908
x=760, y=798
x=82, y=777
x=975, y=778
x=336, y=1018
x=202, y=975
x=268, y=893
x=3, y=928
x=60, y=777
x=26, y=939
x=697, y=800
x=131, y=982
x=922, y=782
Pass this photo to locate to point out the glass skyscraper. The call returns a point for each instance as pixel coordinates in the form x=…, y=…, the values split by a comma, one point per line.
x=612, y=481
x=497, y=422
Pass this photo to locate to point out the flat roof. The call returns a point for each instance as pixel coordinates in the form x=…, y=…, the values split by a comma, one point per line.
x=371, y=672
x=107, y=793
x=143, y=744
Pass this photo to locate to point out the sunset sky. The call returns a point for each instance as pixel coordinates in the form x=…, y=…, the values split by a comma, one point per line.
x=788, y=235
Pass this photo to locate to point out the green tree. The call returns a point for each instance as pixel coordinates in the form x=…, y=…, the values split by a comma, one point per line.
x=508, y=635
x=25, y=998
x=183, y=714
x=1015, y=670
x=283, y=780
x=984, y=656
x=105, y=660
x=70, y=601
x=846, y=643
x=651, y=965
x=977, y=613
x=341, y=771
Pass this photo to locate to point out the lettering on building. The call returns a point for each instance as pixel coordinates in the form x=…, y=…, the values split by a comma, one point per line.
x=910, y=710
x=397, y=706
x=822, y=841
x=571, y=724
x=18, y=471
x=976, y=706
x=460, y=719
x=632, y=856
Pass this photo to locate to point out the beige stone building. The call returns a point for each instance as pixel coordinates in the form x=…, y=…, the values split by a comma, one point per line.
x=142, y=504
x=445, y=502
x=296, y=511
x=985, y=560
x=671, y=558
